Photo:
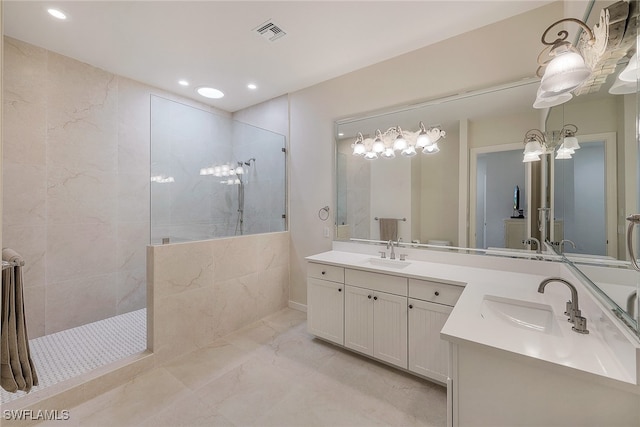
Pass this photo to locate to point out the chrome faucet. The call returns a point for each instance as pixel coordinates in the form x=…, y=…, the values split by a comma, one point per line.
x=572, y=308
x=563, y=241
x=531, y=240
x=393, y=254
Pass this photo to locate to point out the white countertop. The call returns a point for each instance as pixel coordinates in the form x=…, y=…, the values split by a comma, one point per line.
x=467, y=325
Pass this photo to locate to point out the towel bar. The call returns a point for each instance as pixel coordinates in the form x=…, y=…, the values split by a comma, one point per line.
x=7, y=264
x=399, y=219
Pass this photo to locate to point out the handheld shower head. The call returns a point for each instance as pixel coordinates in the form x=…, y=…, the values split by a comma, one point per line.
x=248, y=162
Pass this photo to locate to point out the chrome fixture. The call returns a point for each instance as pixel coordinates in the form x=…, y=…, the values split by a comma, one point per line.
x=633, y=221
x=537, y=143
x=563, y=241
x=383, y=254
x=403, y=257
x=572, y=307
x=394, y=139
x=531, y=240
x=393, y=254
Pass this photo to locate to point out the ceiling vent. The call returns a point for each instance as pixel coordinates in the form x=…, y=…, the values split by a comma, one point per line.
x=269, y=31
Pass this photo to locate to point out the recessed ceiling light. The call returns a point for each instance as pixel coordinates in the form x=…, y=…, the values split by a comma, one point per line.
x=209, y=92
x=183, y=83
x=56, y=13
x=252, y=86
x=341, y=134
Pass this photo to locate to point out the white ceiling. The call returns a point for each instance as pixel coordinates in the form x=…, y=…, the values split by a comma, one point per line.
x=212, y=42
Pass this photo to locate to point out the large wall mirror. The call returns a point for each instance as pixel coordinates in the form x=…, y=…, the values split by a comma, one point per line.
x=476, y=192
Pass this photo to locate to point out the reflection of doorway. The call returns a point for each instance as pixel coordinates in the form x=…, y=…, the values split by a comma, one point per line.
x=495, y=172
x=585, y=198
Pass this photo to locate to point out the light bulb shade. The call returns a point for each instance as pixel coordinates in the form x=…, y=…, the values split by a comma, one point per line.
x=359, y=149
x=552, y=101
x=571, y=143
x=371, y=155
x=620, y=87
x=239, y=170
x=410, y=151
x=530, y=157
x=378, y=146
x=431, y=149
x=630, y=73
x=533, y=147
x=423, y=140
x=563, y=149
x=563, y=154
x=564, y=73
x=388, y=153
x=203, y=171
x=236, y=181
x=400, y=143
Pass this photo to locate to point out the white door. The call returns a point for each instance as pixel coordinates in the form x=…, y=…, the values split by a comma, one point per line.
x=428, y=354
x=325, y=309
x=390, y=328
x=358, y=319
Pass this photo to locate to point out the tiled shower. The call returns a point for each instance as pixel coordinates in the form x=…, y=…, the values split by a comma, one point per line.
x=81, y=148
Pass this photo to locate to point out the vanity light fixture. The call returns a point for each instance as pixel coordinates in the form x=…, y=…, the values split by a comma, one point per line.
x=387, y=144
x=230, y=172
x=537, y=143
x=562, y=67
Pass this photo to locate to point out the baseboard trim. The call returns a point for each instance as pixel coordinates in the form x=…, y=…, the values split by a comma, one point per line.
x=297, y=306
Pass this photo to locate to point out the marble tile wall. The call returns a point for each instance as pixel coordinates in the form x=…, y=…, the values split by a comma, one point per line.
x=205, y=290
x=75, y=186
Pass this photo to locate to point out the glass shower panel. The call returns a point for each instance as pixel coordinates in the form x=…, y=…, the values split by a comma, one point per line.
x=211, y=176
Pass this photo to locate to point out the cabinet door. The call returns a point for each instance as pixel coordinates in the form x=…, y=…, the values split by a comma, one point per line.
x=390, y=328
x=325, y=310
x=428, y=354
x=358, y=319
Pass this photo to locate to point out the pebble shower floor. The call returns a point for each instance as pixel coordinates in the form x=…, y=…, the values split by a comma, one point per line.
x=67, y=354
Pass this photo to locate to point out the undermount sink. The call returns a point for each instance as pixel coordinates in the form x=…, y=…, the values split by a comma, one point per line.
x=521, y=314
x=390, y=263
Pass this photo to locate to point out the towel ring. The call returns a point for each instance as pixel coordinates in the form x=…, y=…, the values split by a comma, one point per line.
x=324, y=216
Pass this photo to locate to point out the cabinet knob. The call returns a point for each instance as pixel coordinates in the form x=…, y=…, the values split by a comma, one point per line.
x=375, y=298
x=410, y=305
x=437, y=293
x=369, y=296
x=339, y=289
x=324, y=272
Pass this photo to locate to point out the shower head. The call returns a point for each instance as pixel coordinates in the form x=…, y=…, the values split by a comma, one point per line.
x=248, y=162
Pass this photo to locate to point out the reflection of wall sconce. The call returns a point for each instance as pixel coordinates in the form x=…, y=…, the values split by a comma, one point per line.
x=564, y=68
x=537, y=143
x=160, y=179
x=395, y=139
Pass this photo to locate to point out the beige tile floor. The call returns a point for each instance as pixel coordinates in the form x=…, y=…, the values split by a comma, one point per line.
x=271, y=373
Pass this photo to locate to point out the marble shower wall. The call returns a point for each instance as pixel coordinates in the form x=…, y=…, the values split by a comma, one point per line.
x=204, y=290
x=76, y=186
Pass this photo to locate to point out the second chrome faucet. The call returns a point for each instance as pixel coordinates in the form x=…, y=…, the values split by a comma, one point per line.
x=572, y=307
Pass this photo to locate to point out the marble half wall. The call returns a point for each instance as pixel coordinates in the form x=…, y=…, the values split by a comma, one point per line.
x=201, y=291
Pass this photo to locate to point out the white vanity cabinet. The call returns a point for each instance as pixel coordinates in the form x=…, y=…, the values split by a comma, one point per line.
x=388, y=317
x=430, y=304
x=375, y=316
x=325, y=302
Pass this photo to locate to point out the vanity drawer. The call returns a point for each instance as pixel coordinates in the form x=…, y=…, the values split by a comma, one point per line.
x=326, y=272
x=441, y=293
x=377, y=282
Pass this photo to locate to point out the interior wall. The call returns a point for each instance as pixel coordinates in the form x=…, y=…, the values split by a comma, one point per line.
x=76, y=185
x=480, y=58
